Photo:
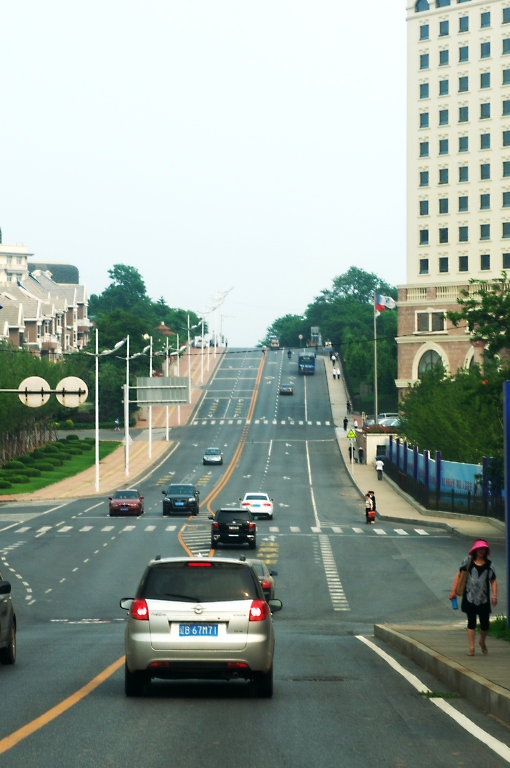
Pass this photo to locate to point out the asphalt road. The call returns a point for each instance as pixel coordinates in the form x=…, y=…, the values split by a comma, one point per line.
x=336, y=701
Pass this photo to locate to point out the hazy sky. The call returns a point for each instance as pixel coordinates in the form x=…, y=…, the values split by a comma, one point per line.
x=209, y=144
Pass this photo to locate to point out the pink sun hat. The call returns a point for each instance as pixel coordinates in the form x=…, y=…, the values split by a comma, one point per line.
x=478, y=545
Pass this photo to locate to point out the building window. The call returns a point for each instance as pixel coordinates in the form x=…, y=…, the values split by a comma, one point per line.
x=424, y=61
x=442, y=3
x=506, y=138
x=422, y=5
x=444, y=58
x=443, y=205
x=424, y=32
x=424, y=90
x=463, y=84
x=443, y=146
x=443, y=264
x=485, y=141
x=443, y=235
x=463, y=53
x=463, y=143
x=464, y=24
x=463, y=203
x=485, y=261
x=424, y=120
x=463, y=264
x=485, y=202
x=485, y=50
x=485, y=171
x=485, y=80
x=424, y=207
x=485, y=231
x=427, y=321
x=443, y=117
x=463, y=114
x=437, y=319
x=463, y=234
x=506, y=199
x=443, y=175
x=485, y=111
x=424, y=266
x=506, y=77
x=506, y=261
x=422, y=322
x=506, y=15
x=506, y=229
x=506, y=168
x=444, y=87
x=427, y=361
x=444, y=28
x=424, y=237
x=506, y=45
x=464, y=173
x=485, y=19
x=424, y=149
x=424, y=178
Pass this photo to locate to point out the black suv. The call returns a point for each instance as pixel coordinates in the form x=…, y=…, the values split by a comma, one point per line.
x=181, y=499
x=7, y=624
x=233, y=526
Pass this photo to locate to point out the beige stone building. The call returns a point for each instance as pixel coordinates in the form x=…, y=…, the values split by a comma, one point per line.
x=458, y=173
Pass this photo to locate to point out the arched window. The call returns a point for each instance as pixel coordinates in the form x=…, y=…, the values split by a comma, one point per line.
x=442, y=3
x=428, y=360
x=422, y=5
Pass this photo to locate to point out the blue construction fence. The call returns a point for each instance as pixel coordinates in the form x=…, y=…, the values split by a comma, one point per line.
x=444, y=485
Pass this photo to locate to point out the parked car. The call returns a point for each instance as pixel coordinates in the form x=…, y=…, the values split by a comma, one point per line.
x=126, y=502
x=213, y=456
x=181, y=499
x=233, y=526
x=200, y=618
x=259, y=504
x=7, y=624
x=286, y=389
x=265, y=577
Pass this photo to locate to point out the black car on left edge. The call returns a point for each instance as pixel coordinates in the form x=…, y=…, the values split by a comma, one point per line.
x=7, y=624
x=181, y=499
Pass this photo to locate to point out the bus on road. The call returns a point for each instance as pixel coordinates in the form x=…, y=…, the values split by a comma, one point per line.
x=306, y=362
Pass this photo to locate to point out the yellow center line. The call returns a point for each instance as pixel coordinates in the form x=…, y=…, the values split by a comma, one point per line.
x=27, y=730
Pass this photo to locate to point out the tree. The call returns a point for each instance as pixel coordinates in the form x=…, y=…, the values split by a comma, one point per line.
x=288, y=329
x=358, y=285
x=486, y=311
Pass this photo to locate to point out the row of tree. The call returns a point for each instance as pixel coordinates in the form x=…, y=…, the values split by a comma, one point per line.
x=345, y=315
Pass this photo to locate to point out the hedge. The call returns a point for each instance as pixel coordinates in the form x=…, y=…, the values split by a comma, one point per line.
x=13, y=465
x=19, y=479
x=44, y=466
x=5, y=484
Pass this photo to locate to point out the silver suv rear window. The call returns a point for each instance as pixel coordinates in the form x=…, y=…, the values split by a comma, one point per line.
x=199, y=584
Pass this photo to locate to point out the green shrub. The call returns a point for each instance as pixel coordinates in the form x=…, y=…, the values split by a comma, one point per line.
x=85, y=446
x=38, y=454
x=27, y=459
x=51, y=448
x=91, y=440
x=55, y=460
x=72, y=437
x=68, y=424
x=65, y=456
x=44, y=466
x=32, y=472
x=5, y=484
x=75, y=451
x=13, y=465
x=18, y=479
x=59, y=444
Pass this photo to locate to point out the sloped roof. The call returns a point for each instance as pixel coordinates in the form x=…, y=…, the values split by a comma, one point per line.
x=61, y=272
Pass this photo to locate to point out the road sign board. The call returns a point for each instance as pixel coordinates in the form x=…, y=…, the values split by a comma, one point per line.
x=34, y=391
x=71, y=392
x=351, y=434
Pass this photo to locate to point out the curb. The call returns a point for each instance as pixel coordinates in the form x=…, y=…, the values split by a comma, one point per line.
x=478, y=690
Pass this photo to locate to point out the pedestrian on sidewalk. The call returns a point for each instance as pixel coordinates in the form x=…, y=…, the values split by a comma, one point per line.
x=372, y=496
x=117, y=425
x=379, y=466
x=368, y=508
x=333, y=359
x=355, y=423
x=338, y=372
x=475, y=588
x=348, y=405
x=352, y=451
x=346, y=421
x=361, y=455
x=334, y=373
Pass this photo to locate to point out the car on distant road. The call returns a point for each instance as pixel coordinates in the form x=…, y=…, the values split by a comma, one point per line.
x=259, y=504
x=392, y=422
x=199, y=618
x=126, y=502
x=286, y=389
x=233, y=526
x=181, y=499
x=7, y=624
x=213, y=456
x=265, y=577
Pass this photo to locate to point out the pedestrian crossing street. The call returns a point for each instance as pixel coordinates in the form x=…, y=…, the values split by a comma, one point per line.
x=289, y=422
x=263, y=530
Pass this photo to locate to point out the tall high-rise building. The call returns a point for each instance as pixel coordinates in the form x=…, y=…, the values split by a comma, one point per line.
x=458, y=173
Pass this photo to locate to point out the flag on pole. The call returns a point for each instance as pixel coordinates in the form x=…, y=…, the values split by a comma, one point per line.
x=382, y=303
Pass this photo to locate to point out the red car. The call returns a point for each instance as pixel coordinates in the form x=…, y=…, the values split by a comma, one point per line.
x=128, y=502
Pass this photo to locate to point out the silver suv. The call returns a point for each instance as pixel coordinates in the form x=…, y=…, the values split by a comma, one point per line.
x=201, y=618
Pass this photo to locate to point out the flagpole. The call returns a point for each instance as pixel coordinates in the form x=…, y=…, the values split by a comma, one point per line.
x=376, y=403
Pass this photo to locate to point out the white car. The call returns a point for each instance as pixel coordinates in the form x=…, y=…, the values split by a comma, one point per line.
x=259, y=504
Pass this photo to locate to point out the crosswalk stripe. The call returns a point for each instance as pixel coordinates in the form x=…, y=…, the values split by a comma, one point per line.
x=421, y=531
x=23, y=530
x=401, y=532
x=86, y=528
x=380, y=531
x=315, y=529
x=358, y=530
x=149, y=527
x=64, y=529
x=295, y=529
x=129, y=528
x=107, y=528
x=336, y=529
x=170, y=528
x=274, y=529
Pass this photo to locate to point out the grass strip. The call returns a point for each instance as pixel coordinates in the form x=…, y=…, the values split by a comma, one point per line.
x=72, y=467
x=498, y=627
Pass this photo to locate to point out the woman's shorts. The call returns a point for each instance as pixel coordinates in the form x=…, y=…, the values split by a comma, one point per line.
x=483, y=611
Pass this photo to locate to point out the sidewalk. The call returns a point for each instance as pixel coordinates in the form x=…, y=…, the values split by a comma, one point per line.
x=439, y=648
x=112, y=473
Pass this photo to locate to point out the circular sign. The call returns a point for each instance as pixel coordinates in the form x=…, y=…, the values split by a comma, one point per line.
x=34, y=391
x=71, y=392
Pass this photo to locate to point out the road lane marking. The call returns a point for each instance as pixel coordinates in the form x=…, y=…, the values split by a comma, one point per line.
x=86, y=528
x=107, y=528
x=336, y=529
x=421, y=531
x=336, y=591
x=468, y=725
x=295, y=529
x=380, y=531
x=27, y=730
x=401, y=532
x=65, y=529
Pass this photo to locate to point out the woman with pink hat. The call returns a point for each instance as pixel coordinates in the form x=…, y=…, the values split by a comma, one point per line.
x=474, y=581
